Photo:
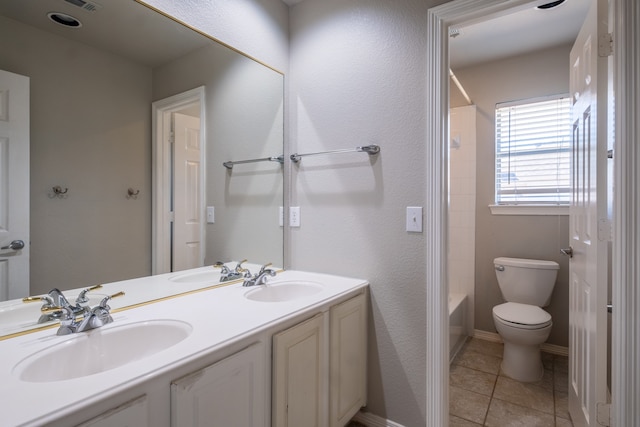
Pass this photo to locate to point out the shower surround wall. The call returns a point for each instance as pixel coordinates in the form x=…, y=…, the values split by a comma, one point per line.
x=462, y=206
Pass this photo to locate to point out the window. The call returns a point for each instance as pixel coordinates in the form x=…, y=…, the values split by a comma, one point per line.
x=533, y=152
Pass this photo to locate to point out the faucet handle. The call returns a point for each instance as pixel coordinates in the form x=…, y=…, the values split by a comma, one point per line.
x=103, y=303
x=100, y=315
x=220, y=264
x=239, y=268
x=48, y=301
x=82, y=297
x=65, y=314
x=58, y=297
x=264, y=267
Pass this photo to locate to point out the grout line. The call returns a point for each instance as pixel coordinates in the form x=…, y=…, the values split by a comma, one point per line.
x=553, y=390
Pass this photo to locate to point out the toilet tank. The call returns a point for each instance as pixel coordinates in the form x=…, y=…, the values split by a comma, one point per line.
x=527, y=281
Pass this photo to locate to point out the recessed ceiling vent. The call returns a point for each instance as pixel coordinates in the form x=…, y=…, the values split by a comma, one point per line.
x=89, y=6
x=550, y=5
x=454, y=32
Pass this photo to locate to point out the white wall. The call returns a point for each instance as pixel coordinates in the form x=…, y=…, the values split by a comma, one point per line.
x=357, y=76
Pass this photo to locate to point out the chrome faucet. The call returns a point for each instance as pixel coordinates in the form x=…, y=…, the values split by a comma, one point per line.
x=236, y=273
x=72, y=323
x=55, y=303
x=261, y=277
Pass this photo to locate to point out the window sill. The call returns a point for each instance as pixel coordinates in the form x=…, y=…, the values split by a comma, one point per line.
x=528, y=210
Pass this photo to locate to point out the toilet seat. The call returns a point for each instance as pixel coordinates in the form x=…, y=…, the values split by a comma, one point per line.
x=522, y=316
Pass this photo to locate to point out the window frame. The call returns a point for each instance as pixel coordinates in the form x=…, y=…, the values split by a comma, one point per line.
x=527, y=208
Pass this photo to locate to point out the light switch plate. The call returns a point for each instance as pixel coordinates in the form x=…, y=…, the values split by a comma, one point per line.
x=414, y=219
x=211, y=215
x=294, y=216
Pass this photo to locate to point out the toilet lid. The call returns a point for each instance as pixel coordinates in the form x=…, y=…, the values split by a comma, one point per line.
x=523, y=314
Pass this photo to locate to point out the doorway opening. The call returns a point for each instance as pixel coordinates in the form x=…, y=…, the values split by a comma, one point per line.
x=178, y=180
x=440, y=20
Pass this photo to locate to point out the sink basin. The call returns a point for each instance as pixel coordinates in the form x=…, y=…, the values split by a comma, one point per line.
x=100, y=350
x=201, y=276
x=283, y=291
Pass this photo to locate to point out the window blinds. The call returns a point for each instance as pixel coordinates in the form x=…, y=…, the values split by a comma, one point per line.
x=533, y=152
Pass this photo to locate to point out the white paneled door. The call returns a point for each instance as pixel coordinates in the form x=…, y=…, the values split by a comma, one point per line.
x=14, y=186
x=589, y=227
x=187, y=231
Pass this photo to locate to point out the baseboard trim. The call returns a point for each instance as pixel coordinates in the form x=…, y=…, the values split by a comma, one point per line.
x=546, y=347
x=372, y=420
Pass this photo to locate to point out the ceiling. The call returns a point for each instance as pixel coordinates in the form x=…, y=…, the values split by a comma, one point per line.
x=521, y=30
x=115, y=26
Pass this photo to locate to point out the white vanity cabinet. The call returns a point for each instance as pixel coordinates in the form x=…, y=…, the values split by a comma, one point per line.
x=131, y=414
x=319, y=368
x=299, y=381
x=229, y=393
x=347, y=360
x=296, y=361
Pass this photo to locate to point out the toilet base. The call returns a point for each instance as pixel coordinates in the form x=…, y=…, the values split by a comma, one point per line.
x=522, y=362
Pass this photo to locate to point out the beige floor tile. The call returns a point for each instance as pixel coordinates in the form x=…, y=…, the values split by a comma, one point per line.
x=545, y=382
x=478, y=361
x=561, y=422
x=562, y=404
x=561, y=364
x=459, y=422
x=561, y=381
x=505, y=414
x=547, y=360
x=524, y=394
x=472, y=380
x=467, y=404
x=486, y=347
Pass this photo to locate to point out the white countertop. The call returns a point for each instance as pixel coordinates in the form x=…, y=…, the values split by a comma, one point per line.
x=218, y=317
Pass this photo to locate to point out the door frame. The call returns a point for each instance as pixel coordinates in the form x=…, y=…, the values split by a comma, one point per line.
x=161, y=173
x=626, y=233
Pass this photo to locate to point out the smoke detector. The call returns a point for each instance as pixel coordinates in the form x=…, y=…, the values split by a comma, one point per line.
x=88, y=6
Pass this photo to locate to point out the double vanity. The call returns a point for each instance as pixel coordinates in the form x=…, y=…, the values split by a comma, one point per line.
x=288, y=352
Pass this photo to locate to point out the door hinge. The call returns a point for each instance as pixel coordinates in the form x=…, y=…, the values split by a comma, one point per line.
x=603, y=413
x=604, y=230
x=605, y=45
x=172, y=216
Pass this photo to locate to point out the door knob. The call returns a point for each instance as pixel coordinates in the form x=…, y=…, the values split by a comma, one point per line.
x=567, y=251
x=16, y=245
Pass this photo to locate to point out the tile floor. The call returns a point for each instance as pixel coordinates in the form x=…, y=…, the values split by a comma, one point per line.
x=480, y=395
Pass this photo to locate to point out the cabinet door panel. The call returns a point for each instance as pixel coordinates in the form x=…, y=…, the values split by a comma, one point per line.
x=229, y=393
x=298, y=382
x=348, y=359
x=130, y=414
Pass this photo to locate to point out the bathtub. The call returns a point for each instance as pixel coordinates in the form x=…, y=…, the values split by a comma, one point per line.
x=457, y=323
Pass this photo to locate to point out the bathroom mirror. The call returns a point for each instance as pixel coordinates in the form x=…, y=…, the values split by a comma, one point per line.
x=92, y=87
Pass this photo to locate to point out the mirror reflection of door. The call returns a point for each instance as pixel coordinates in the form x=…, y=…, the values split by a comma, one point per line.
x=178, y=226
x=14, y=186
x=187, y=239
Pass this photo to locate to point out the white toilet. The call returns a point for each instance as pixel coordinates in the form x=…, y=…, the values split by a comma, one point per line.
x=526, y=285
